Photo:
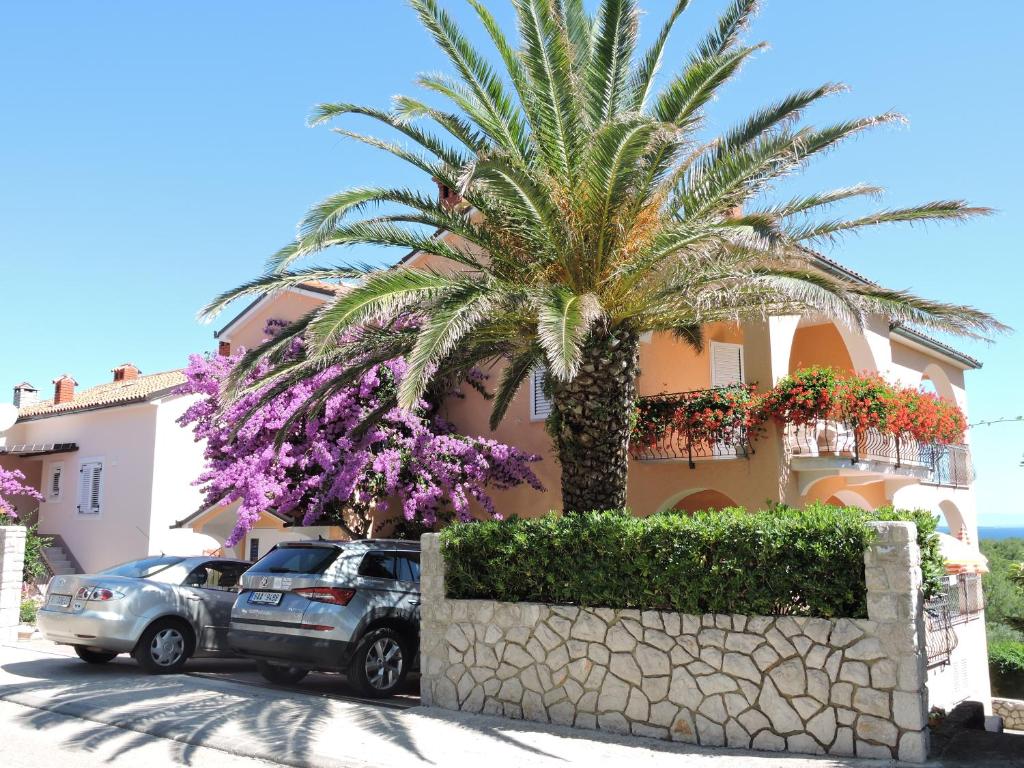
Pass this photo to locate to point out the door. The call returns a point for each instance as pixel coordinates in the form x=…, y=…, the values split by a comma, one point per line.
x=726, y=371
x=211, y=589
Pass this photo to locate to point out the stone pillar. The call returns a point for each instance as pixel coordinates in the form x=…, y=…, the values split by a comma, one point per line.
x=433, y=655
x=892, y=571
x=12, y=563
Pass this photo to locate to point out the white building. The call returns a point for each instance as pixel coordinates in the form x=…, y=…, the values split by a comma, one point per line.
x=114, y=467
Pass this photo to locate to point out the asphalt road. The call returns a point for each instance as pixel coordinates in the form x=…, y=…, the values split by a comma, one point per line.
x=58, y=711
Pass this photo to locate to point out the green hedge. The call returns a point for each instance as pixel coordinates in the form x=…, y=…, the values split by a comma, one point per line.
x=1006, y=657
x=780, y=561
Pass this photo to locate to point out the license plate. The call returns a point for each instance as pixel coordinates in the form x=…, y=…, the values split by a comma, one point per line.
x=59, y=601
x=265, y=598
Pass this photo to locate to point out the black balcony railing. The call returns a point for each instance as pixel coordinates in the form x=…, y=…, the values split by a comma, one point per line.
x=665, y=430
x=960, y=600
x=948, y=465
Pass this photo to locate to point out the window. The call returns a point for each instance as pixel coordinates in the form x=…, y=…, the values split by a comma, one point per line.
x=90, y=487
x=53, y=487
x=222, y=576
x=408, y=566
x=302, y=558
x=378, y=565
x=726, y=364
x=254, y=550
x=540, y=404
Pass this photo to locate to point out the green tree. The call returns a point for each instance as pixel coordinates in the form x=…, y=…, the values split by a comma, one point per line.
x=593, y=210
x=1004, y=601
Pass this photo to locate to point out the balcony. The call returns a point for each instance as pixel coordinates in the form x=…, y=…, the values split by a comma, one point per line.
x=693, y=426
x=823, y=444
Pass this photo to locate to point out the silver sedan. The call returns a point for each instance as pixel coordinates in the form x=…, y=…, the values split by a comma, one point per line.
x=162, y=610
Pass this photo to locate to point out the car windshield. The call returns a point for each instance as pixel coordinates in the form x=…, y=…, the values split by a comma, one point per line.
x=296, y=560
x=144, y=568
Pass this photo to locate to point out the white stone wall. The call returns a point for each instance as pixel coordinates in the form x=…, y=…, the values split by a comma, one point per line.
x=12, y=562
x=843, y=687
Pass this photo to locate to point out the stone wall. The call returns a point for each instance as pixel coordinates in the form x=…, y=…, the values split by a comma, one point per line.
x=840, y=687
x=1012, y=712
x=12, y=562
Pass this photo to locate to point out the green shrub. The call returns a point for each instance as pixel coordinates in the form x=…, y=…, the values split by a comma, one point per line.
x=35, y=568
x=783, y=561
x=28, y=611
x=1006, y=657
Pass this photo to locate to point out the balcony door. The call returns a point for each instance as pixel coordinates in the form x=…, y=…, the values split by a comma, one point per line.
x=726, y=371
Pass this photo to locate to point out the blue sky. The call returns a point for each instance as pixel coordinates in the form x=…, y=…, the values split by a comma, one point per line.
x=153, y=154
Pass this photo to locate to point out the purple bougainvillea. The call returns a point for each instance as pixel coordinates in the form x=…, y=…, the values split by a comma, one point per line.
x=12, y=483
x=326, y=472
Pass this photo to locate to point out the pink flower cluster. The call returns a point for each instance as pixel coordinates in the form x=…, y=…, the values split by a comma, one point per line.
x=12, y=483
x=325, y=468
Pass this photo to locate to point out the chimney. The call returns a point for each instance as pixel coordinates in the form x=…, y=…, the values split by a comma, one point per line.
x=25, y=395
x=447, y=196
x=126, y=372
x=64, y=389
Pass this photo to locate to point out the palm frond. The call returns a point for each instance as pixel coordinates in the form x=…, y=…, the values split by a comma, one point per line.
x=608, y=68
x=477, y=74
x=563, y=323
x=642, y=80
x=941, y=210
x=450, y=320
x=520, y=366
x=274, y=282
x=383, y=296
x=548, y=61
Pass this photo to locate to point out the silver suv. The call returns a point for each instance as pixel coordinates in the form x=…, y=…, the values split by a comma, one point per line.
x=349, y=607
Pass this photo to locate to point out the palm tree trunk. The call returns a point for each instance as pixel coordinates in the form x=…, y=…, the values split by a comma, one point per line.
x=593, y=420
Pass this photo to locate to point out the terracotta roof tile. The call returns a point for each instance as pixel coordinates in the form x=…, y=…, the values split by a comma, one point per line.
x=112, y=393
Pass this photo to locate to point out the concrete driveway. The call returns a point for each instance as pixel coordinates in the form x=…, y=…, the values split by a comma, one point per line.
x=47, y=697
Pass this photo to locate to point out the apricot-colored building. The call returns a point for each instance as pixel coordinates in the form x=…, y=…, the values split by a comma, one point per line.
x=794, y=466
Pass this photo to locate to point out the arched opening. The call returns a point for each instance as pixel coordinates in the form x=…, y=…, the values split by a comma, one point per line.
x=934, y=379
x=818, y=342
x=954, y=520
x=698, y=500
x=847, y=498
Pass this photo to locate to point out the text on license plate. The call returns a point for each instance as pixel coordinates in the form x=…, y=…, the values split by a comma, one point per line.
x=59, y=601
x=265, y=598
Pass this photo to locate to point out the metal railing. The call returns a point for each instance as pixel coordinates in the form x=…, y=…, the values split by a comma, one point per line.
x=662, y=436
x=951, y=466
x=961, y=600
x=947, y=465
x=940, y=637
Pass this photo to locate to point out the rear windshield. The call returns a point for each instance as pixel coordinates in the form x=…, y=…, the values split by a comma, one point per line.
x=143, y=569
x=296, y=560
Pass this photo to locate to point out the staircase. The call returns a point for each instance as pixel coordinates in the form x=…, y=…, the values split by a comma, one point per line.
x=59, y=559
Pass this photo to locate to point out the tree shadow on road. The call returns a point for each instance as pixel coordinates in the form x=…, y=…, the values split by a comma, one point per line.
x=250, y=721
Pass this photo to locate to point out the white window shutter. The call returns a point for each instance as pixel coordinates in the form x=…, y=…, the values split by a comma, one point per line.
x=726, y=364
x=90, y=488
x=540, y=404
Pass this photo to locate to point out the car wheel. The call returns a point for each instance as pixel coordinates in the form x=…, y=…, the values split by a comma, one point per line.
x=91, y=656
x=164, y=647
x=280, y=674
x=380, y=663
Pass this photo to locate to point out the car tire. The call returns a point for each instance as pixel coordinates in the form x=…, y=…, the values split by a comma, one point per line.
x=280, y=674
x=380, y=663
x=92, y=656
x=164, y=647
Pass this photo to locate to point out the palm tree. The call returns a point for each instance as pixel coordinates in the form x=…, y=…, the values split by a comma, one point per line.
x=592, y=212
